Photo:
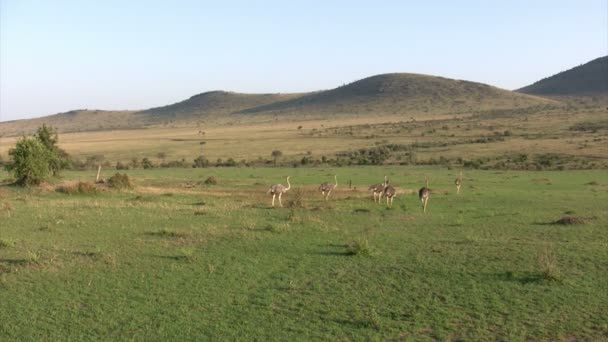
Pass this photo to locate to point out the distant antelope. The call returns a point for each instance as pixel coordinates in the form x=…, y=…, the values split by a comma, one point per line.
x=389, y=192
x=423, y=194
x=378, y=189
x=279, y=189
x=458, y=182
x=327, y=187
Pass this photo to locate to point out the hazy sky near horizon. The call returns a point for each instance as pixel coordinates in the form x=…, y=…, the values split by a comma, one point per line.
x=61, y=55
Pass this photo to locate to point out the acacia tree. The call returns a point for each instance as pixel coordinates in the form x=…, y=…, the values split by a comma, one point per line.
x=276, y=154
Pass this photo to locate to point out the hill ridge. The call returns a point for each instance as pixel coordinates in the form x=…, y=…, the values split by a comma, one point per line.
x=383, y=94
x=590, y=78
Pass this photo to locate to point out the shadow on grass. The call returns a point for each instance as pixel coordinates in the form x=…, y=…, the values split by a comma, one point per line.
x=524, y=278
x=15, y=262
x=342, y=252
x=172, y=257
x=86, y=254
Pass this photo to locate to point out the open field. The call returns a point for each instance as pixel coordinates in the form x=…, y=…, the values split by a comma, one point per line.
x=174, y=259
x=493, y=135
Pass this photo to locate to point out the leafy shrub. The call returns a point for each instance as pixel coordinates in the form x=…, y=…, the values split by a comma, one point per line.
x=147, y=163
x=201, y=161
x=31, y=161
x=120, y=181
x=210, y=181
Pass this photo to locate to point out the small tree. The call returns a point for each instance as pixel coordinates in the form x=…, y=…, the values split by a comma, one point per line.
x=59, y=159
x=276, y=154
x=147, y=163
x=201, y=161
x=31, y=161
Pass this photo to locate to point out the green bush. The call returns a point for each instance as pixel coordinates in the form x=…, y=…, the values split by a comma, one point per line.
x=31, y=161
x=120, y=181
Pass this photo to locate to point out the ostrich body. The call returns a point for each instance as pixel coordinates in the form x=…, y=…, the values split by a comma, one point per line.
x=458, y=182
x=378, y=189
x=279, y=189
x=423, y=194
x=328, y=187
x=389, y=192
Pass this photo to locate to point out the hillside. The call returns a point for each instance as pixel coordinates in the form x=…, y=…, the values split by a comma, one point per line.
x=74, y=121
x=401, y=93
x=387, y=94
x=209, y=104
x=584, y=80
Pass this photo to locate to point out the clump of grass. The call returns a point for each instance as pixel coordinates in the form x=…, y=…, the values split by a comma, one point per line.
x=167, y=194
x=296, y=199
x=120, y=181
x=32, y=257
x=7, y=243
x=210, y=181
x=592, y=183
x=187, y=254
x=547, y=264
x=361, y=210
x=295, y=216
x=164, y=232
x=6, y=208
x=358, y=247
x=373, y=319
x=570, y=220
x=277, y=228
x=80, y=188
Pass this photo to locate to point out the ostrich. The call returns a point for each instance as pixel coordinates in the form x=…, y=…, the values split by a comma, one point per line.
x=423, y=194
x=279, y=189
x=458, y=182
x=389, y=192
x=327, y=187
x=378, y=189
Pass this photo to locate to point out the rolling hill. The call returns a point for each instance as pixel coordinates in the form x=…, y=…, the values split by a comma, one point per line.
x=386, y=94
x=585, y=80
x=401, y=93
x=211, y=103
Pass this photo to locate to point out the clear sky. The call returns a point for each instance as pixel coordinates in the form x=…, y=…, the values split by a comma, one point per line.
x=60, y=55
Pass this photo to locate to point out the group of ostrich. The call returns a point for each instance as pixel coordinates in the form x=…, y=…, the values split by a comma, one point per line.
x=378, y=190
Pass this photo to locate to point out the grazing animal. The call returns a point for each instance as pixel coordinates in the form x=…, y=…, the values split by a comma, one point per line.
x=423, y=194
x=279, y=189
x=328, y=187
x=378, y=189
x=389, y=192
x=458, y=182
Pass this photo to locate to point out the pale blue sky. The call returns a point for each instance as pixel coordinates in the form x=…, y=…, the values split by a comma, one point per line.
x=61, y=55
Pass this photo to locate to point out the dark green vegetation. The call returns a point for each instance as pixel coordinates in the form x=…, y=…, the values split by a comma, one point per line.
x=588, y=79
x=388, y=94
x=33, y=159
x=516, y=256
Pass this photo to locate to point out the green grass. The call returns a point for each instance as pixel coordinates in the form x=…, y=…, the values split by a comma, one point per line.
x=218, y=263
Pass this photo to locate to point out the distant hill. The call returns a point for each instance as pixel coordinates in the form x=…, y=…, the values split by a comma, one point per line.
x=401, y=93
x=211, y=103
x=74, y=121
x=584, y=80
x=387, y=94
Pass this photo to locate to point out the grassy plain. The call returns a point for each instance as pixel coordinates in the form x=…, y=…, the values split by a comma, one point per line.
x=174, y=259
x=450, y=136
